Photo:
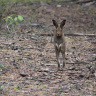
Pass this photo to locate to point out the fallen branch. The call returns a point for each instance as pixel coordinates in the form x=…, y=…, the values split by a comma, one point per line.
x=78, y=34
x=70, y=34
x=84, y=1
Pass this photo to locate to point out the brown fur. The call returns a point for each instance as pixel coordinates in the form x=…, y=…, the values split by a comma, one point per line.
x=59, y=41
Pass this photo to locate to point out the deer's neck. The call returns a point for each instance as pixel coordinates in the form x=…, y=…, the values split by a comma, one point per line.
x=59, y=39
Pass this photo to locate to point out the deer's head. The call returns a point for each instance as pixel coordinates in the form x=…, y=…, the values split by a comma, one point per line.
x=59, y=27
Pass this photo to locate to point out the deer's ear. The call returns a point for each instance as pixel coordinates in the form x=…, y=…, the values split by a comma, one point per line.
x=55, y=23
x=62, y=24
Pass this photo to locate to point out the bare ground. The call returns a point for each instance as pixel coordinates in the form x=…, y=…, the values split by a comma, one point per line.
x=30, y=67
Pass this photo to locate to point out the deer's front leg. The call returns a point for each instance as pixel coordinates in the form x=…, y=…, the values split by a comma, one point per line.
x=63, y=55
x=57, y=57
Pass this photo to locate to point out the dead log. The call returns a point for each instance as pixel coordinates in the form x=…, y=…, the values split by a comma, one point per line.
x=78, y=34
x=84, y=1
x=70, y=34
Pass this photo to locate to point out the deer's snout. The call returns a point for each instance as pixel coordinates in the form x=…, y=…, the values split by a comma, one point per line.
x=58, y=32
x=58, y=35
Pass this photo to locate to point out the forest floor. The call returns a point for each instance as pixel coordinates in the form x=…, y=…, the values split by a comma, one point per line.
x=28, y=64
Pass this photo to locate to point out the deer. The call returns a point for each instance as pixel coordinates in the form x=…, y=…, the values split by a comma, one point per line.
x=59, y=41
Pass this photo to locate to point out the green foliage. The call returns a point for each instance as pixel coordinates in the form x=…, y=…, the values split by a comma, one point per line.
x=12, y=22
x=95, y=24
x=35, y=79
x=61, y=0
x=92, y=11
x=1, y=87
x=2, y=7
x=16, y=1
x=20, y=18
x=43, y=86
x=17, y=88
x=1, y=66
x=4, y=1
x=62, y=94
x=13, y=19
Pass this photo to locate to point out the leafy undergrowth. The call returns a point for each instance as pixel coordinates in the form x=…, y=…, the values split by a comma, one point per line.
x=28, y=65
